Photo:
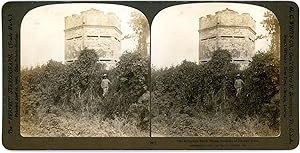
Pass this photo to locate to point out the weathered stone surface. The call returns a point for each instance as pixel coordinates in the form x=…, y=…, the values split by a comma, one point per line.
x=93, y=29
x=230, y=31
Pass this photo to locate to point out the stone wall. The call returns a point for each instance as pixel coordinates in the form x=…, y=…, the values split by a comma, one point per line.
x=93, y=29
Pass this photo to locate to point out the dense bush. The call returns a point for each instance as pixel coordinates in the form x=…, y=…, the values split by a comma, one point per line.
x=194, y=91
x=184, y=98
x=57, y=89
x=261, y=93
x=80, y=83
x=130, y=81
x=39, y=87
x=189, y=85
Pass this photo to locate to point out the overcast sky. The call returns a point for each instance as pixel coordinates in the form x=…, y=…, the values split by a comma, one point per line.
x=42, y=30
x=174, y=31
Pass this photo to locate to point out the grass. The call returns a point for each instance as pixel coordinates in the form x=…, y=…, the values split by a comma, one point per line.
x=84, y=125
x=176, y=125
x=211, y=125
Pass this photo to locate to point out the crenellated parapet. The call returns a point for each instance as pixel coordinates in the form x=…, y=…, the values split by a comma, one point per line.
x=92, y=17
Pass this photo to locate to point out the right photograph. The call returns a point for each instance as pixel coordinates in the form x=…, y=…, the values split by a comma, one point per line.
x=215, y=71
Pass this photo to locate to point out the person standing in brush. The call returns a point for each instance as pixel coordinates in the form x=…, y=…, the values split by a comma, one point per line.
x=238, y=85
x=105, y=85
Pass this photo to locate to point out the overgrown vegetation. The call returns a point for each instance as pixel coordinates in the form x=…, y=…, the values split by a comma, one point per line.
x=187, y=100
x=200, y=100
x=66, y=100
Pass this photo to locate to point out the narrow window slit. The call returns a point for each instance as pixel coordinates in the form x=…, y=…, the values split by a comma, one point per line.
x=226, y=36
x=78, y=37
x=92, y=36
x=239, y=37
x=105, y=36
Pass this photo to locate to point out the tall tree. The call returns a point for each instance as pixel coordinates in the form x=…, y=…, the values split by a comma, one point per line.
x=140, y=26
x=271, y=24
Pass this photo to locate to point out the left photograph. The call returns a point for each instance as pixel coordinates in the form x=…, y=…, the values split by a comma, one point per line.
x=85, y=71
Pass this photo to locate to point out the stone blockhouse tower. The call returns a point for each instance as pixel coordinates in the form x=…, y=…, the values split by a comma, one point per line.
x=227, y=30
x=93, y=29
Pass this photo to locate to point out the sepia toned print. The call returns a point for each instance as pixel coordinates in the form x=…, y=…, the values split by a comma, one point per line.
x=85, y=72
x=216, y=74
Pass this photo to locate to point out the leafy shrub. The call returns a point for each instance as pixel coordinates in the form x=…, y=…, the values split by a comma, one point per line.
x=53, y=92
x=130, y=81
x=261, y=92
x=181, y=94
x=39, y=87
x=189, y=87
